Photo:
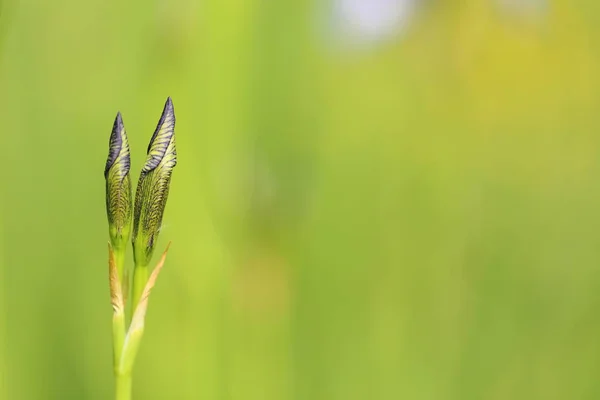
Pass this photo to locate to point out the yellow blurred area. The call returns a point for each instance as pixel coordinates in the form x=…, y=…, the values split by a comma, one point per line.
x=414, y=216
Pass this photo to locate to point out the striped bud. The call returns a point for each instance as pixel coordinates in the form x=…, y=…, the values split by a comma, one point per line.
x=153, y=187
x=118, y=187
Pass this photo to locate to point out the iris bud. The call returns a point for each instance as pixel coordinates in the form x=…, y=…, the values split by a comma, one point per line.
x=118, y=187
x=153, y=187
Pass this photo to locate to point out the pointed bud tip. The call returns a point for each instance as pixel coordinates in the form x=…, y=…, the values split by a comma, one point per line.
x=118, y=125
x=168, y=110
x=166, y=124
x=116, y=144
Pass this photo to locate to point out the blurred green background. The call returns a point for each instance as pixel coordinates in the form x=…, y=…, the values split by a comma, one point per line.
x=358, y=212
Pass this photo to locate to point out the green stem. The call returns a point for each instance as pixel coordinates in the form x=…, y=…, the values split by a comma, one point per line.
x=118, y=317
x=123, y=386
x=122, y=381
x=120, y=262
x=140, y=277
x=118, y=339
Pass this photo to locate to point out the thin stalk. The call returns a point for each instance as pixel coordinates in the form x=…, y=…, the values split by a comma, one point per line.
x=122, y=381
x=120, y=263
x=140, y=277
x=123, y=386
x=118, y=339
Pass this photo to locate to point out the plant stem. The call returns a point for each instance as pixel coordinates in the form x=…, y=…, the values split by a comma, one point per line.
x=118, y=338
x=122, y=386
x=118, y=314
x=140, y=277
x=120, y=262
x=122, y=381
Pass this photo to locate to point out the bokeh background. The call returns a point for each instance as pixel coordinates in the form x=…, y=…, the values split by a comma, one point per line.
x=375, y=199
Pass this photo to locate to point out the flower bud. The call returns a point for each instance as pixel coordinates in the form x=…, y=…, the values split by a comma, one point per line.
x=118, y=187
x=153, y=187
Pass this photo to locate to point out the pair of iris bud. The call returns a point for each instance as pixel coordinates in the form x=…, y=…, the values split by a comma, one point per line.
x=142, y=219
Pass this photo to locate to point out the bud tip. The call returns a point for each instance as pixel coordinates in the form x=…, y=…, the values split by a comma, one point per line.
x=115, y=143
